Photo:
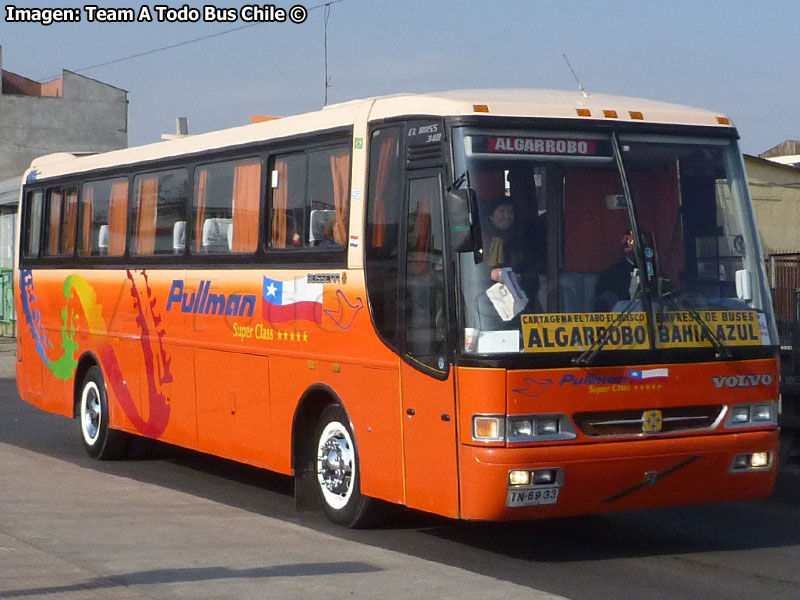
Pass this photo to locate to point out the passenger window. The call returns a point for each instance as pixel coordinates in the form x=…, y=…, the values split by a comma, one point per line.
x=33, y=223
x=310, y=199
x=226, y=206
x=426, y=319
x=159, y=203
x=383, y=223
x=104, y=209
x=62, y=217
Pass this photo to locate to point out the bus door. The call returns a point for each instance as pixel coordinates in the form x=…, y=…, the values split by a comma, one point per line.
x=429, y=423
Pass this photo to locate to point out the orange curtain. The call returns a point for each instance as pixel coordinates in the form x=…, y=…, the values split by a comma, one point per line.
x=379, y=210
x=54, y=225
x=280, y=202
x=246, y=201
x=118, y=218
x=422, y=233
x=71, y=220
x=87, y=206
x=146, y=211
x=201, y=195
x=340, y=173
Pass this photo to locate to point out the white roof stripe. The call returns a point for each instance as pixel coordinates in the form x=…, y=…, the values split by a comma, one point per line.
x=511, y=102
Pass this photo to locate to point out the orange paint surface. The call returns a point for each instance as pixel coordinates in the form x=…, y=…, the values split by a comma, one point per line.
x=230, y=384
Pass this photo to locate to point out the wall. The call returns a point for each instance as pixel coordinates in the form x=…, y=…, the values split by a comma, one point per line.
x=775, y=190
x=88, y=116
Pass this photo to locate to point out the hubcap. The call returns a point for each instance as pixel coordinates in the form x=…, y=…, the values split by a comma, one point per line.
x=91, y=412
x=335, y=464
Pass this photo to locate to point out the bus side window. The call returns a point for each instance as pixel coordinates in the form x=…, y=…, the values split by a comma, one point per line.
x=310, y=199
x=104, y=210
x=33, y=223
x=425, y=319
x=159, y=201
x=226, y=207
x=288, y=183
x=62, y=215
x=383, y=224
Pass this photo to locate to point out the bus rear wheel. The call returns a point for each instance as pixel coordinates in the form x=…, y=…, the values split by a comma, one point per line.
x=337, y=469
x=99, y=441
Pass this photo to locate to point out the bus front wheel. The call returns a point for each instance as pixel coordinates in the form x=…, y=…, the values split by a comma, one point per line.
x=99, y=441
x=337, y=469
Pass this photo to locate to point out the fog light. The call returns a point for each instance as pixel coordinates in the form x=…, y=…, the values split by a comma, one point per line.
x=742, y=461
x=546, y=426
x=761, y=412
x=740, y=414
x=545, y=476
x=759, y=459
x=520, y=428
x=519, y=478
x=487, y=428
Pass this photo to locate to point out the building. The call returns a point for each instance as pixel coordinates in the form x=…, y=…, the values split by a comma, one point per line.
x=785, y=153
x=775, y=190
x=71, y=113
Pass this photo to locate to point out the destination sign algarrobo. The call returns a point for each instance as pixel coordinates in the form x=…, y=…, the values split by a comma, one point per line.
x=534, y=145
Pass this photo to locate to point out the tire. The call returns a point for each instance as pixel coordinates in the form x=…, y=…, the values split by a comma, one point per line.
x=337, y=471
x=99, y=441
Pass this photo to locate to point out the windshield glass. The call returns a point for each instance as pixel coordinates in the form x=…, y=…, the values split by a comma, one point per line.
x=561, y=269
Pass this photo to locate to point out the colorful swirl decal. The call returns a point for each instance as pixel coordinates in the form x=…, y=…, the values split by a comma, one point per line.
x=79, y=295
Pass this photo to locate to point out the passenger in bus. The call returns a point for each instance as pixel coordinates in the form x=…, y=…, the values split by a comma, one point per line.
x=615, y=283
x=327, y=236
x=498, y=247
x=292, y=235
x=508, y=243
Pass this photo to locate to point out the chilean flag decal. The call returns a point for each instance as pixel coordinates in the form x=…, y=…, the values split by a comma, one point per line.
x=285, y=301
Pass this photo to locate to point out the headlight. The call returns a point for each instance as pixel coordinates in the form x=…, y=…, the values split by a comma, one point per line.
x=761, y=412
x=752, y=415
x=539, y=428
x=751, y=461
x=740, y=414
x=520, y=427
x=547, y=426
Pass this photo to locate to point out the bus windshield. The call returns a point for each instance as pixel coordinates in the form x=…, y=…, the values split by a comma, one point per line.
x=600, y=242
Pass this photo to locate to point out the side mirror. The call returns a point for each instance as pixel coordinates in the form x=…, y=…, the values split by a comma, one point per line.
x=465, y=228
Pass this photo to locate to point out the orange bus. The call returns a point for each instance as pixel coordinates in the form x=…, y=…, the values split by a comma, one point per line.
x=486, y=304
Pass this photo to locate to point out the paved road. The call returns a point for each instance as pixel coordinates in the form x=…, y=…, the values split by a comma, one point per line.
x=178, y=524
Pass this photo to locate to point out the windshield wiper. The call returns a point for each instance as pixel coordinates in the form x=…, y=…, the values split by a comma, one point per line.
x=587, y=356
x=722, y=351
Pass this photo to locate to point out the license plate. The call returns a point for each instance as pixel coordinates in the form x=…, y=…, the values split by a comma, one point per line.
x=533, y=497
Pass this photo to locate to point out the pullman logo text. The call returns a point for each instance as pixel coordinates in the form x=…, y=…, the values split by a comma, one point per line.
x=205, y=302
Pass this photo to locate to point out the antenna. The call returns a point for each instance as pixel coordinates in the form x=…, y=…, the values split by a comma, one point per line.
x=580, y=85
x=327, y=79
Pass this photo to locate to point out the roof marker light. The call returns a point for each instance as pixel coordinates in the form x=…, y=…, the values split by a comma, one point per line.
x=482, y=108
x=610, y=114
x=636, y=115
x=723, y=120
x=584, y=112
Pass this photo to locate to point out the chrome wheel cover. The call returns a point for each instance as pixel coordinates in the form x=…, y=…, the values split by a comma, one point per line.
x=91, y=413
x=336, y=464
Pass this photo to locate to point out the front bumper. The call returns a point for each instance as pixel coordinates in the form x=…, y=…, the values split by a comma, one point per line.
x=615, y=476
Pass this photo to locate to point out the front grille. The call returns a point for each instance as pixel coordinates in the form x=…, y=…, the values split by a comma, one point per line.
x=629, y=422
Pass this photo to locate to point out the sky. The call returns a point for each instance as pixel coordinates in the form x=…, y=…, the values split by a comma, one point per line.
x=737, y=57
